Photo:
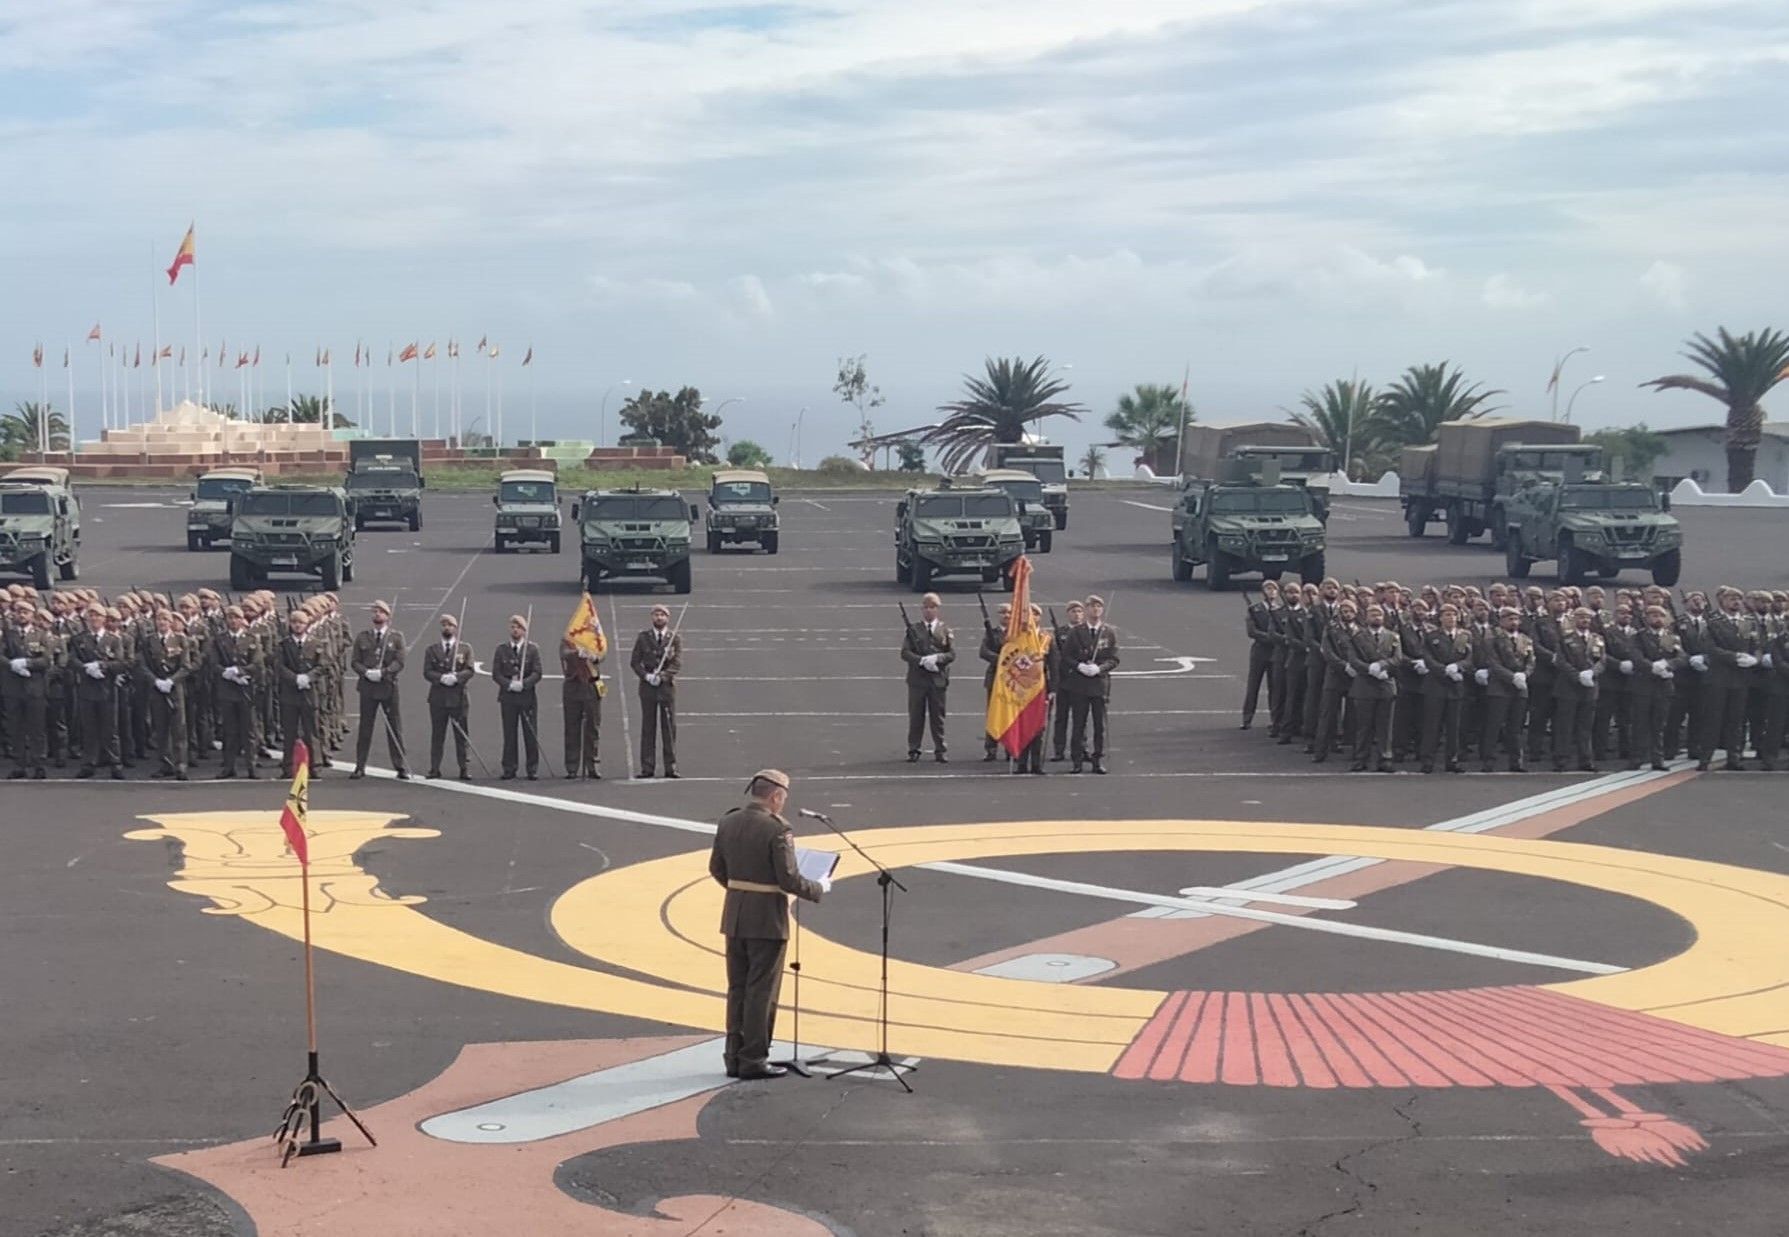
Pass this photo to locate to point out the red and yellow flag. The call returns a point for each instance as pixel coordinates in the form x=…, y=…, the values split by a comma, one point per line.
x=1019, y=705
x=182, y=258
x=585, y=631
x=408, y=354
x=37, y=356
x=298, y=803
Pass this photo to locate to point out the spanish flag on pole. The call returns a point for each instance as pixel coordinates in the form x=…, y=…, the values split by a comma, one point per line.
x=585, y=631
x=1019, y=705
x=183, y=258
x=298, y=800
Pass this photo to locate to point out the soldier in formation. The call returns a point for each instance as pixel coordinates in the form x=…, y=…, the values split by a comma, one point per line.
x=656, y=662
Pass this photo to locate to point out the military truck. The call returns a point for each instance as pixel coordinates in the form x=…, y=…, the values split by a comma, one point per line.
x=385, y=478
x=1246, y=521
x=956, y=531
x=40, y=525
x=1310, y=467
x=527, y=502
x=1205, y=447
x=627, y=534
x=1467, y=477
x=292, y=530
x=1043, y=461
x=208, y=508
x=1592, y=526
x=741, y=508
x=1036, y=520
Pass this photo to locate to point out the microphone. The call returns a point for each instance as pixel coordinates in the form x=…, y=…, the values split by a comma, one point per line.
x=813, y=815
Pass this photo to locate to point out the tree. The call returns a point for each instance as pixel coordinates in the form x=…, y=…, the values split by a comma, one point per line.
x=1001, y=407
x=20, y=428
x=1411, y=411
x=1741, y=370
x=747, y=454
x=1341, y=415
x=1148, y=420
x=1092, y=462
x=853, y=387
x=676, y=421
x=1631, y=451
x=913, y=456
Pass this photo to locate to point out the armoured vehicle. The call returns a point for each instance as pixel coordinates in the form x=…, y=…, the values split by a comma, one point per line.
x=293, y=530
x=1245, y=522
x=1035, y=519
x=1467, y=476
x=208, y=512
x=626, y=534
x=1592, y=526
x=741, y=507
x=1206, y=447
x=385, y=478
x=40, y=525
x=956, y=531
x=1307, y=466
x=527, y=502
x=1043, y=461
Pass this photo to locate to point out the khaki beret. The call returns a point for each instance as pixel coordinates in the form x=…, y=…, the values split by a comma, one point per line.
x=776, y=777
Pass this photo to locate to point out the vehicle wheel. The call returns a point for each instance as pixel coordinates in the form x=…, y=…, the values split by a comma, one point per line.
x=1610, y=571
x=1217, y=568
x=1061, y=520
x=1416, y=519
x=990, y=574
x=40, y=571
x=714, y=543
x=1457, y=528
x=71, y=570
x=1571, y=565
x=1499, y=529
x=1310, y=571
x=1273, y=574
x=332, y=572
x=921, y=575
x=498, y=544
x=416, y=522
x=1183, y=570
x=553, y=542
x=1667, y=567
x=769, y=542
x=241, y=578
x=1514, y=565
x=900, y=571
x=1044, y=541
x=359, y=523
x=193, y=542
x=679, y=576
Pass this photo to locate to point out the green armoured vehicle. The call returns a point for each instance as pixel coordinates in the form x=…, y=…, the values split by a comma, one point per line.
x=1310, y=467
x=637, y=532
x=385, y=478
x=1247, y=522
x=1592, y=526
x=293, y=530
x=40, y=525
x=1466, y=477
x=949, y=532
x=527, y=502
x=741, y=507
x=208, y=511
x=1036, y=519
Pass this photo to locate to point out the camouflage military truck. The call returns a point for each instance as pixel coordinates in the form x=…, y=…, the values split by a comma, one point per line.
x=385, y=478
x=527, y=502
x=1592, y=526
x=741, y=508
x=627, y=534
x=1044, y=461
x=291, y=530
x=1036, y=519
x=40, y=525
x=208, y=511
x=1310, y=467
x=953, y=532
x=1246, y=522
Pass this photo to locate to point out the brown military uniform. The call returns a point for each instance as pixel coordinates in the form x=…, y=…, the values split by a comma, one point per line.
x=447, y=701
x=382, y=651
x=661, y=654
x=583, y=713
x=519, y=710
x=235, y=697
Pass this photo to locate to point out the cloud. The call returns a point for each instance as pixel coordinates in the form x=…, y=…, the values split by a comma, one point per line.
x=1667, y=283
x=1502, y=292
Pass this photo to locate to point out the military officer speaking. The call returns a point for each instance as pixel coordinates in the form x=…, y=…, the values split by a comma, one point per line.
x=928, y=651
x=378, y=659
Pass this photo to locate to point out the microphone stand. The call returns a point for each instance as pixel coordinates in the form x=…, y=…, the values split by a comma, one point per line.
x=889, y=884
x=795, y=1065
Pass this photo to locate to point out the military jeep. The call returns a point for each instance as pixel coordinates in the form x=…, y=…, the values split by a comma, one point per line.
x=40, y=525
x=385, y=478
x=1592, y=526
x=1036, y=520
x=956, y=531
x=1251, y=524
x=626, y=534
x=208, y=509
x=293, y=530
x=527, y=502
x=741, y=508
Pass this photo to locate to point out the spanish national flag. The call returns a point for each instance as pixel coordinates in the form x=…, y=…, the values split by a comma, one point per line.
x=585, y=631
x=298, y=801
x=408, y=354
x=182, y=258
x=1019, y=705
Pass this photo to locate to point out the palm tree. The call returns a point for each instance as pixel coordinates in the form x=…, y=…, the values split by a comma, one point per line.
x=1741, y=372
x=1092, y=462
x=21, y=427
x=1149, y=420
x=1341, y=415
x=999, y=408
x=1411, y=411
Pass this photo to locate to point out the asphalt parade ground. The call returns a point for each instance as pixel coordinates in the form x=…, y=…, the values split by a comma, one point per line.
x=1220, y=990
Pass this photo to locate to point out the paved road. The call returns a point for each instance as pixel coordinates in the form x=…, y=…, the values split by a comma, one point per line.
x=143, y=1028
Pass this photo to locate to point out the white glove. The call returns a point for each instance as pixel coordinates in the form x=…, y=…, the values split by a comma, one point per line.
x=515, y=685
x=1375, y=668
x=1421, y=667
x=1660, y=668
x=1626, y=666
x=929, y=662
x=1352, y=672
x=303, y=681
x=1587, y=677
x=1453, y=672
x=1698, y=662
x=1482, y=677
x=94, y=670
x=1769, y=662
x=1089, y=669
x=652, y=679
x=586, y=654
x=374, y=675
x=164, y=686
x=1746, y=661
x=450, y=679
x=1519, y=678
x=231, y=674
x=825, y=883
x=19, y=668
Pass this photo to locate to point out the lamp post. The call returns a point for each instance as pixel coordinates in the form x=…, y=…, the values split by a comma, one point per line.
x=602, y=424
x=795, y=440
x=1578, y=392
x=1558, y=369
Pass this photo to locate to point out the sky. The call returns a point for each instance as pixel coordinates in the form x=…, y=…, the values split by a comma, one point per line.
x=1252, y=196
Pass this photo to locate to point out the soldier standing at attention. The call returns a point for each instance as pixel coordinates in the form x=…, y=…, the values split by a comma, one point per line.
x=1549, y=629
x=1372, y=665
x=1731, y=654
x=1775, y=663
x=1090, y=658
x=167, y=663
x=754, y=861
x=96, y=662
x=657, y=659
x=515, y=668
x=992, y=636
x=582, y=697
x=299, y=666
x=1621, y=674
x=1257, y=623
x=378, y=659
x=448, y=666
x=1291, y=720
x=28, y=656
x=1509, y=662
x=928, y=651
x=1336, y=641
x=1058, y=703
x=1579, y=663
x=1447, y=653
x=1662, y=659
x=236, y=661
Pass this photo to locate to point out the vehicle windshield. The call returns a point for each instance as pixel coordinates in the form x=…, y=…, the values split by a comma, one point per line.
x=1594, y=498
x=1022, y=491
x=1264, y=502
x=525, y=492
x=1051, y=472
x=631, y=507
x=222, y=488
x=394, y=479
x=286, y=504
x=964, y=506
x=1301, y=461
x=740, y=492
x=33, y=503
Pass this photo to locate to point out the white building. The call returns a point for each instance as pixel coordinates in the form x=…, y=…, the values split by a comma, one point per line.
x=1699, y=453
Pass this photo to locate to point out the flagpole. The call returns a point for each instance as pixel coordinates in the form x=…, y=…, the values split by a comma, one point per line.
x=500, y=438
x=437, y=366
x=198, y=335
x=490, y=425
x=415, y=396
x=533, y=411
x=68, y=370
x=454, y=401
x=155, y=310
x=328, y=390
x=288, y=388
x=391, y=394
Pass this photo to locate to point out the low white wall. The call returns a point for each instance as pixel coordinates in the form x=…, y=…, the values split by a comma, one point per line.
x=1386, y=487
x=1758, y=494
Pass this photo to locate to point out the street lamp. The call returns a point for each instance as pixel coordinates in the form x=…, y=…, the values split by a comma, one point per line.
x=602, y=425
x=1558, y=369
x=1578, y=392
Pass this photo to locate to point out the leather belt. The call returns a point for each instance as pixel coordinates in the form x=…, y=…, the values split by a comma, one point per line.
x=752, y=887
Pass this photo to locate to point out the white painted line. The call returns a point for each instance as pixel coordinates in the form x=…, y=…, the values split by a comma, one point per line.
x=1198, y=892
x=627, y=742
x=1050, y=968
x=1130, y=502
x=810, y=502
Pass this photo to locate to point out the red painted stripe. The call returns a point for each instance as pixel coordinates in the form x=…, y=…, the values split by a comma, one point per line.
x=1737, y=1056
x=1201, y=1064
x=1503, y=1067
x=1167, y=1063
x=1312, y=1068
x=1136, y=1058
x=1381, y=1071
x=1270, y=1045
x=1239, y=1068
x=1347, y=1070
x=1442, y=1054
x=1644, y=1053
x=1574, y=1063
x=1403, y=1057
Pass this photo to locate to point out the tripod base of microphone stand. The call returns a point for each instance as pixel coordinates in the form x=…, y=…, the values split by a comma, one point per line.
x=881, y=1061
x=796, y=1067
x=323, y=1146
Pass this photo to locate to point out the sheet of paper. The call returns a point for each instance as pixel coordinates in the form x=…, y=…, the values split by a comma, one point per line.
x=815, y=864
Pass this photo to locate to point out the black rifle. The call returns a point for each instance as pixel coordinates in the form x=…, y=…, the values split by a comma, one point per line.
x=986, y=622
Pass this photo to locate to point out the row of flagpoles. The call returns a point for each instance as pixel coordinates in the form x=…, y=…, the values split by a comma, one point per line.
x=120, y=367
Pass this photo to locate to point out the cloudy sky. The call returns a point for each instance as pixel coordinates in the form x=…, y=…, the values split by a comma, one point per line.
x=735, y=194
